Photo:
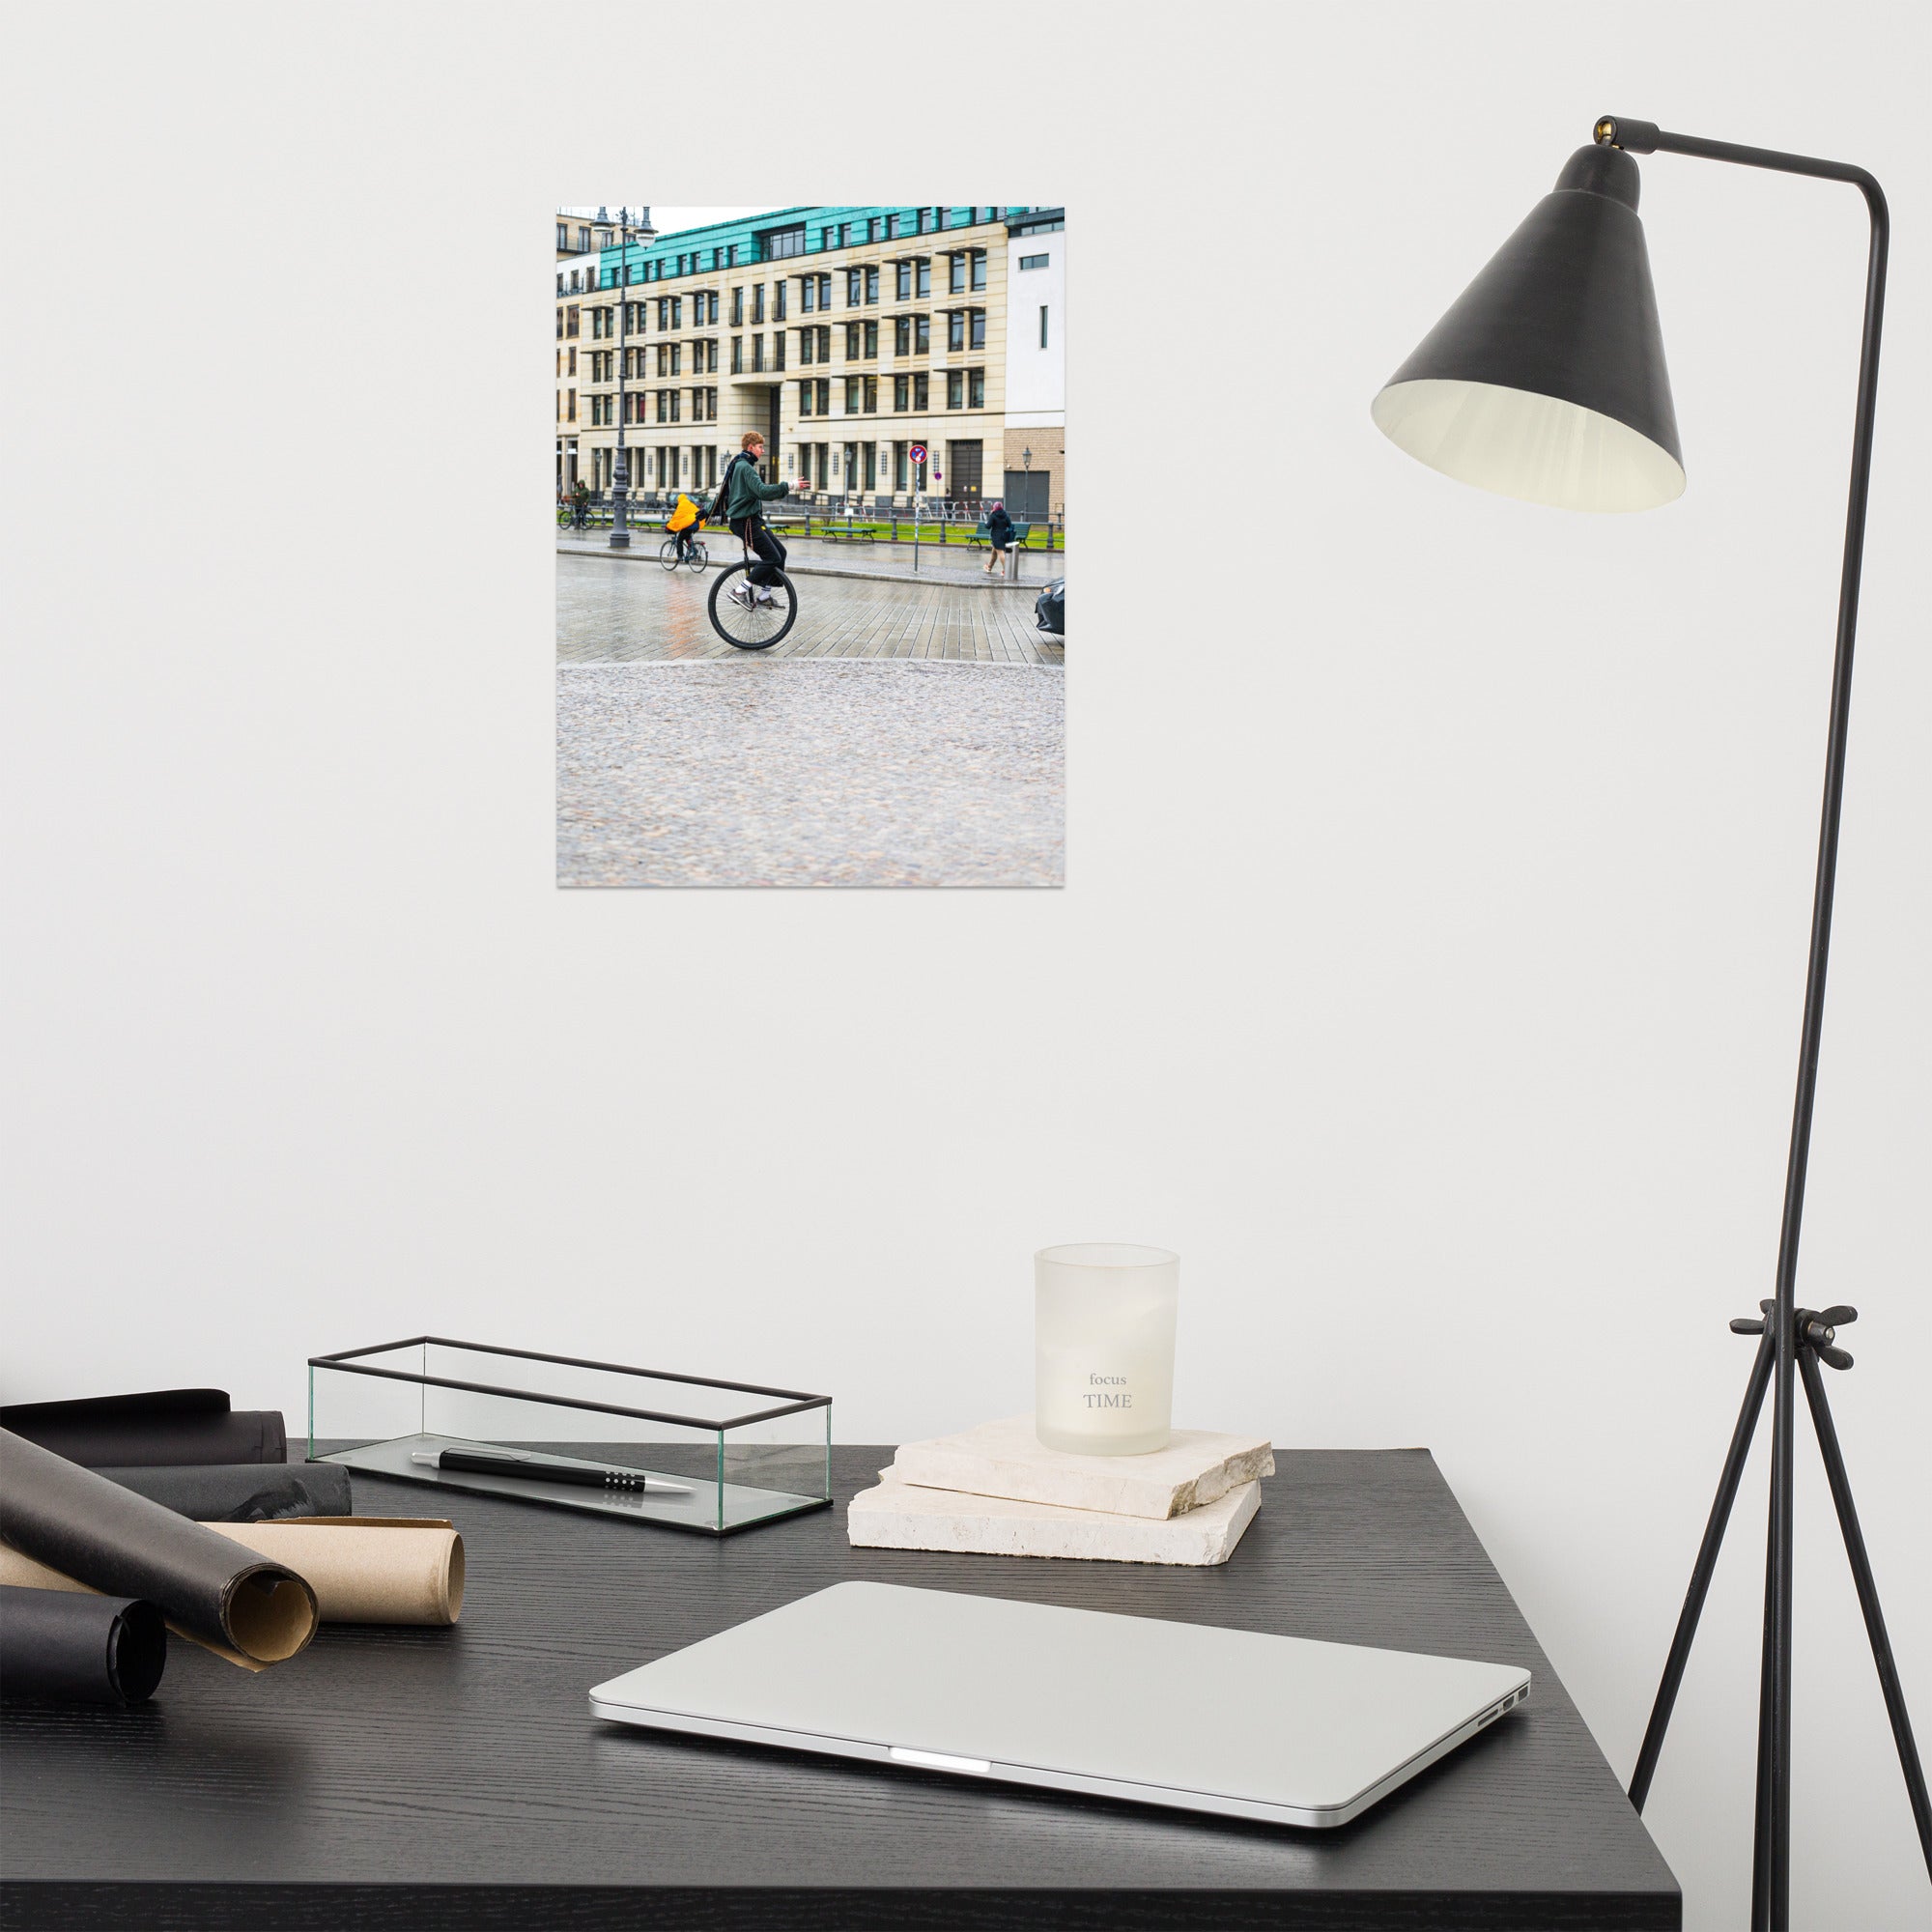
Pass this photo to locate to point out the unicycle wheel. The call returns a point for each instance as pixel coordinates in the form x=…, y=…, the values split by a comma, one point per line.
x=743, y=621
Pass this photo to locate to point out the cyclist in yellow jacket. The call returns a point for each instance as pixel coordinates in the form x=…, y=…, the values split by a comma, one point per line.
x=684, y=523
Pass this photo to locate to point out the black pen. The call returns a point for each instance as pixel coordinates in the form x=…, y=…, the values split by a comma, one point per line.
x=531, y=1469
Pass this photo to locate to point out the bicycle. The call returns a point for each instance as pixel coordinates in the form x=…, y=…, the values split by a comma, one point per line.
x=761, y=623
x=696, y=560
x=573, y=516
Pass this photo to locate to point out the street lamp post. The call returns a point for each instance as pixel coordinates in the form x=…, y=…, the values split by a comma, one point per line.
x=621, y=472
x=1026, y=485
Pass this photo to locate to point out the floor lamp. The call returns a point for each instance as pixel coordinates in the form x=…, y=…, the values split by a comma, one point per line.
x=1546, y=380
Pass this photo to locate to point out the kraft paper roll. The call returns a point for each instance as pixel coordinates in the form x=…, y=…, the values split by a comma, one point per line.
x=241, y=1492
x=157, y=1426
x=367, y=1570
x=71, y=1649
x=88, y=1533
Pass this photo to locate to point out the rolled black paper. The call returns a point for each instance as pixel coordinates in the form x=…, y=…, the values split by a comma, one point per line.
x=243, y=1492
x=207, y=1586
x=162, y=1426
x=77, y=1649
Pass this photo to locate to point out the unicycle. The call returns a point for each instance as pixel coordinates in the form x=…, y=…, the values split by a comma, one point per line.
x=756, y=626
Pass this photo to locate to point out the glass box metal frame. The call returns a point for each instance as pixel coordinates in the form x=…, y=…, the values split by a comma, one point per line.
x=595, y=1437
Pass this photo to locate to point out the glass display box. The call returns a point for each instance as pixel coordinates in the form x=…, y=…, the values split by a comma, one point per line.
x=683, y=1452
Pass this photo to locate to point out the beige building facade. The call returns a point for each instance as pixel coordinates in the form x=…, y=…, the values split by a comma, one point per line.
x=853, y=339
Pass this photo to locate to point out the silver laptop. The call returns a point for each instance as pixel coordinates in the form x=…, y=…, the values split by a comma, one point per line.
x=1279, y=1729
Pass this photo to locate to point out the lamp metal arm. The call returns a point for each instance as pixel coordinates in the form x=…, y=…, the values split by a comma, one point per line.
x=1770, y=1905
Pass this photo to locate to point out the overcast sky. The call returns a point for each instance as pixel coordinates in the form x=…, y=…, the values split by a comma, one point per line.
x=667, y=220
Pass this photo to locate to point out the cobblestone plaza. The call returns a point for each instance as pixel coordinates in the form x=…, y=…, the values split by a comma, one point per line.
x=904, y=734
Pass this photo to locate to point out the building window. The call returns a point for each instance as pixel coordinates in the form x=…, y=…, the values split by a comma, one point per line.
x=871, y=285
x=855, y=284
x=854, y=395
x=977, y=332
x=956, y=329
x=784, y=241
x=677, y=311
x=976, y=389
x=757, y=354
x=779, y=289
x=737, y=309
x=871, y=395
x=1033, y=262
x=778, y=350
x=852, y=341
x=955, y=389
x=922, y=335
x=823, y=388
x=902, y=281
x=570, y=319
x=562, y=239
x=805, y=344
x=758, y=301
x=955, y=275
x=1042, y=325
x=573, y=362
x=901, y=395
x=925, y=277
x=559, y=324
x=899, y=466
x=808, y=294
x=919, y=391
x=825, y=291
x=979, y=261
x=573, y=406
x=804, y=391
x=872, y=342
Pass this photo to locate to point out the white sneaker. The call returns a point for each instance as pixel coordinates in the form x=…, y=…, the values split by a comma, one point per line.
x=740, y=593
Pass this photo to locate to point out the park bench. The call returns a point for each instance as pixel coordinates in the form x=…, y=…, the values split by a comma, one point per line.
x=1020, y=530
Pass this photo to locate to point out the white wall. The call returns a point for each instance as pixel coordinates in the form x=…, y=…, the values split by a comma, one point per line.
x=1037, y=377
x=1430, y=969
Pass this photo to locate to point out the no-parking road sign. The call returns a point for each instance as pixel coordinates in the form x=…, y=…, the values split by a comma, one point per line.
x=918, y=452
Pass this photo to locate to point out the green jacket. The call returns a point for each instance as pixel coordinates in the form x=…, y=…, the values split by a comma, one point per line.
x=748, y=493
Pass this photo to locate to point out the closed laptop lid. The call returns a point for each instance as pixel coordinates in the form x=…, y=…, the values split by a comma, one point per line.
x=1280, y=1722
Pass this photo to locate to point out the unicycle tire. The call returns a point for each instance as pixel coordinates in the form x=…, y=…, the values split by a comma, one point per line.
x=760, y=627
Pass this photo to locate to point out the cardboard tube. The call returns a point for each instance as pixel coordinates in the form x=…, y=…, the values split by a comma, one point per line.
x=366, y=1570
x=88, y=1533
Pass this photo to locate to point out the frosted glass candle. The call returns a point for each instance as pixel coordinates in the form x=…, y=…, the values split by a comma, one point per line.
x=1104, y=1347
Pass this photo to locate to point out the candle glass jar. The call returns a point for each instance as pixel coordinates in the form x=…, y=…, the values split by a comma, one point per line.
x=1104, y=1347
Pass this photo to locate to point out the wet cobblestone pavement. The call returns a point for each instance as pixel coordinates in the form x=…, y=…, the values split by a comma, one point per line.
x=770, y=771
x=616, y=611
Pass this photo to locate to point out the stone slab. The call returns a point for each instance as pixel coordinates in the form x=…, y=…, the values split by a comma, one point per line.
x=1007, y=1458
x=903, y=1516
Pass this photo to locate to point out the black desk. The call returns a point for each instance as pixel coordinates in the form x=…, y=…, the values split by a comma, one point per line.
x=434, y=1779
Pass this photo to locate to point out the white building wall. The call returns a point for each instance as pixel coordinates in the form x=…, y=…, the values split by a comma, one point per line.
x=1036, y=377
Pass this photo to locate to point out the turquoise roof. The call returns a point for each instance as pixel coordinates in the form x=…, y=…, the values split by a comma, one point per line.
x=708, y=250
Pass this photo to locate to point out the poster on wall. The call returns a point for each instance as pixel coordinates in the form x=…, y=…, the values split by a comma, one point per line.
x=810, y=482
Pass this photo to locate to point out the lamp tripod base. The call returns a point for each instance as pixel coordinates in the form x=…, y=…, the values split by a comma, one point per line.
x=1813, y=1341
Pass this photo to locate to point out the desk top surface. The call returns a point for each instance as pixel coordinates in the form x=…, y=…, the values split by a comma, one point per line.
x=446, y=1777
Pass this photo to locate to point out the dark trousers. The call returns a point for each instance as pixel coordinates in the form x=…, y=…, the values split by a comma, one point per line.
x=765, y=545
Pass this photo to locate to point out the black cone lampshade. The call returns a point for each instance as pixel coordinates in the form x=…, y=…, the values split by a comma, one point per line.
x=1546, y=380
